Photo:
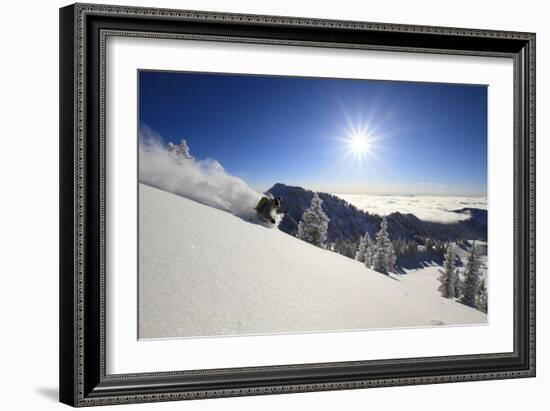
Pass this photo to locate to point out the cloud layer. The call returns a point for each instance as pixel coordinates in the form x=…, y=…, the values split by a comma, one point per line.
x=428, y=208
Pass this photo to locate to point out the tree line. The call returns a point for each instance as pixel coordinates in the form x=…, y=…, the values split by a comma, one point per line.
x=383, y=255
x=469, y=286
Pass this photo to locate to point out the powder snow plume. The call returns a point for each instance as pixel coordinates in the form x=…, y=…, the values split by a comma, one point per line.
x=204, y=181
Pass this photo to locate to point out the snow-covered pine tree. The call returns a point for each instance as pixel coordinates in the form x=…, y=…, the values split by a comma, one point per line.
x=440, y=248
x=393, y=258
x=471, y=277
x=363, y=248
x=448, y=276
x=314, y=224
x=399, y=246
x=411, y=249
x=383, y=250
x=348, y=248
x=481, y=301
x=429, y=244
x=180, y=151
x=459, y=285
x=369, y=254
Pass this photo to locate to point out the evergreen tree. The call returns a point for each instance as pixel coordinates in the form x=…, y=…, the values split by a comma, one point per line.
x=399, y=247
x=411, y=249
x=383, y=250
x=363, y=248
x=314, y=224
x=429, y=244
x=369, y=254
x=471, y=277
x=348, y=248
x=180, y=151
x=448, y=276
x=459, y=285
x=392, y=258
x=481, y=300
x=441, y=249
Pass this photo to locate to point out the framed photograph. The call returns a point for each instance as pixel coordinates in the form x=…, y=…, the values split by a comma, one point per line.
x=261, y=205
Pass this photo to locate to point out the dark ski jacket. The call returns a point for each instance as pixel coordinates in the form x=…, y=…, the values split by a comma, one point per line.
x=265, y=205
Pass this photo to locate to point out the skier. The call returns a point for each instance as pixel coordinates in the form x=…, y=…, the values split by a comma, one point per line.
x=267, y=206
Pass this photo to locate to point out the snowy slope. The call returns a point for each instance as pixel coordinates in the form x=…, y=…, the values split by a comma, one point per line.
x=206, y=272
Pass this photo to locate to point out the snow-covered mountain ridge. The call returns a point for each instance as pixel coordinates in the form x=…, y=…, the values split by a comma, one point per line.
x=347, y=222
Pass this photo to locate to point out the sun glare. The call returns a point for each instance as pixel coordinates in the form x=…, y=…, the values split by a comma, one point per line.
x=359, y=144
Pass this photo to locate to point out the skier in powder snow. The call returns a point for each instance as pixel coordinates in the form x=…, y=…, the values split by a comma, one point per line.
x=267, y=206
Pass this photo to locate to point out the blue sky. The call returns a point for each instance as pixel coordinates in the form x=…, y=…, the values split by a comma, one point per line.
x=335, y=135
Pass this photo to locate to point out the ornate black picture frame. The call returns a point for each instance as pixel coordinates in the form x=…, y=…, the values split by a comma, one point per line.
x=83, y=31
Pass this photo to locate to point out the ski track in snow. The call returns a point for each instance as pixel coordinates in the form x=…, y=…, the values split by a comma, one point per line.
x=204, y=272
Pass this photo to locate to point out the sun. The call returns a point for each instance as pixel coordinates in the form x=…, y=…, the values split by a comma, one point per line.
x=359, y=144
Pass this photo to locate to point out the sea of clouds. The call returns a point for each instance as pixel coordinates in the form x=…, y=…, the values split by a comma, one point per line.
x=438, y=209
